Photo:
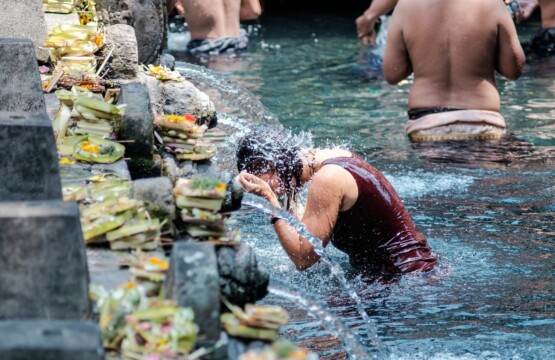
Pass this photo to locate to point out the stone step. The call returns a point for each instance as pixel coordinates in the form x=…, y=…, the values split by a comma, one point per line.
x=29, y=161
x=43, y=266
x=50, y=340
x=21, y=86
x=193, y=281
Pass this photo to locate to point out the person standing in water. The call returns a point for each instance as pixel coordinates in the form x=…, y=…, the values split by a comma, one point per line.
x=215, y=24
x=350, y=204
x=454, y=95
x=543, y=40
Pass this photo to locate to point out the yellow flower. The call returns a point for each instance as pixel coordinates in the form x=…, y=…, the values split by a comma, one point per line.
x=88, y=147
x=129, y=285
x=105, y=320
x=221, y=187
x=66, y=160
x=158, y=262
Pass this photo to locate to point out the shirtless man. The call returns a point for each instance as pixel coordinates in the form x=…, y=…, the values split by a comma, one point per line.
x=454, y=95
x=543, y=41
x=215, y=27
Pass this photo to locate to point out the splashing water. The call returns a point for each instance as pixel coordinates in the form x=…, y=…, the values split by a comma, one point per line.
x=265, y=206
x=238, y=101
x=350, y=342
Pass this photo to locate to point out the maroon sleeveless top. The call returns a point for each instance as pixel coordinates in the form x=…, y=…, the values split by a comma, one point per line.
x=377, y=232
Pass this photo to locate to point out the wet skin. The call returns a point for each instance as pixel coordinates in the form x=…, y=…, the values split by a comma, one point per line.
x=454, y=49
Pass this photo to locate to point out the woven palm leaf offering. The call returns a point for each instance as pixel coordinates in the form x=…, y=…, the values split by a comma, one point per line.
x=97, y=150
x=199, y=200
x=108, y=215
x=183, y=137
x=113, y=307
x=280, y=350
x=72, y=48
x=148, y=270
x=163, y=73
x=161, y=331
x=58, y=6
x=255, y=322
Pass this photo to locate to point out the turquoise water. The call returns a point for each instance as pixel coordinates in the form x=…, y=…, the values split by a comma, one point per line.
x=487, y=209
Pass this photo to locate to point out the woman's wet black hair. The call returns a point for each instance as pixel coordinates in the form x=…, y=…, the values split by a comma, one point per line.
x=261, y=153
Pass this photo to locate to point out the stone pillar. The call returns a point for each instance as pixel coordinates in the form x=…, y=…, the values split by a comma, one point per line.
x=157, y=194
x=124, y=60
x=23, y=19
x=193, y=281
x=19, y=74
x=149, y=19
x=29, y=161
x=242, y=280
x=50, y=340
x=137, y=120
x=43, y=266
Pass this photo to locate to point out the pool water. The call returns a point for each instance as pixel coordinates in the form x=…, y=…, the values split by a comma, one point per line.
x=487, y=209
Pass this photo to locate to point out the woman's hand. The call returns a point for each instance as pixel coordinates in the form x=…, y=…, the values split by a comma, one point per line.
x=257, y=186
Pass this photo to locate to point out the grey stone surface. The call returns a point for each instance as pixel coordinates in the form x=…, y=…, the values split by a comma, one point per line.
x=233, y=197
x=43, y=266
x=242, y=280
x=29, y=161
x=50, y=340
x=124, y=60
x=157, y=194
x=193, y=282
x=19, y=76
x=168, y=61
x=149, y=19
x=136, y=124
x=179, y=98
x=24, y=19
x=118, y=168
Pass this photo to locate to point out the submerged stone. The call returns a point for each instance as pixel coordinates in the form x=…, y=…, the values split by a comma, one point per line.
x=50, y=340
x=21, y=86
x=29, y=161
x=44, y=268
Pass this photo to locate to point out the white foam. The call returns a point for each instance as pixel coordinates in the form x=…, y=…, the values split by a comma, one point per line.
x=418, y=183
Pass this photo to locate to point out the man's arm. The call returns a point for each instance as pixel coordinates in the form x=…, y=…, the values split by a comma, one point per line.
x=396, y=61
x=510, y=56
x=250, y=10
x=366, y=22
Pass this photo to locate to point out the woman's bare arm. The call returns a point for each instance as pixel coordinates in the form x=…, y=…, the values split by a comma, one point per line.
x=325, y=195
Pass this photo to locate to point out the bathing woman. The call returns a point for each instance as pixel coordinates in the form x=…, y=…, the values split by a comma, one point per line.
x=350, y=204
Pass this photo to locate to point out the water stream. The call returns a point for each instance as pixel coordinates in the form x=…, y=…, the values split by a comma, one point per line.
x=336, y=271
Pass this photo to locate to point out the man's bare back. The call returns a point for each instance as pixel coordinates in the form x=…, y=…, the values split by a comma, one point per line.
x=453, y=47
x=548, y=13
